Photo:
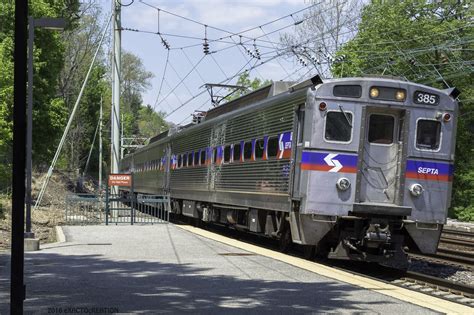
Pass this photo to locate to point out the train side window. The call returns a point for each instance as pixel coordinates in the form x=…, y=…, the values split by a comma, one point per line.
x=259, y=146
x=272, y=147
x=247, y=151
x=190, y=159
x=381, y=129
x=227, y=154
x=338, y=127
x=180, y=161
x=185, y=160
x=214, y=155
x=428, y=134
x=237, y=152
x=203, y=157
x=196, y=158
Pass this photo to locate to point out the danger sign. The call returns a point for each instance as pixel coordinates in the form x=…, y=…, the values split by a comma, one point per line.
x=120, y=180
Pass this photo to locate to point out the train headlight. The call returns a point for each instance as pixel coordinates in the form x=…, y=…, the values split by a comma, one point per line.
x=374, y=92
x=416, y=190
x=400, y=95
x=343, y=184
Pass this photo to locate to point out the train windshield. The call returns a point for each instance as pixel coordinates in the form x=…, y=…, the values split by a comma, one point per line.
x=428, y=134
x=338, y=126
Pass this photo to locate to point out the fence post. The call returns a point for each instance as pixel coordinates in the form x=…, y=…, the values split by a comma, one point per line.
x=107, y=209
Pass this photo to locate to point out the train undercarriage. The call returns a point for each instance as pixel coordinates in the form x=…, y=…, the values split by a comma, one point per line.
x=359, y=238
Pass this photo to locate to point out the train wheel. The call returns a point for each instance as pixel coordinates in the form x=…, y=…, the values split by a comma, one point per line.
x=285, y=239
x=309, y=252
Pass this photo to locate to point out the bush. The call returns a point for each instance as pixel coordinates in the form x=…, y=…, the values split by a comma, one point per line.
x=463, y=196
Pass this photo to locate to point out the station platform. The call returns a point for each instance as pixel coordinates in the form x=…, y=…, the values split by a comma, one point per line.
x=165, y=268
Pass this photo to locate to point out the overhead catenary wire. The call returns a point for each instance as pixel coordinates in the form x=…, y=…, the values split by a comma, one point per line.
x=71, y=118
x=91, y=149
x=279, y=51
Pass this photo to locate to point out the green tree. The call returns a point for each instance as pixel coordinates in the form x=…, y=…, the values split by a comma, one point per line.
x=251, y=85
x=48, y=109
x=80, y=44
x=429, y=42
x=150, y=123
x=135, y=80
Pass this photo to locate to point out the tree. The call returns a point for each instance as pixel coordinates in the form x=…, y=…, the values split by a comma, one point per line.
x=325, y=28
x=135, y=80
x=429, y=42
x=48, y=109
x=251, y=85
x=150, y=123
x=80, y=43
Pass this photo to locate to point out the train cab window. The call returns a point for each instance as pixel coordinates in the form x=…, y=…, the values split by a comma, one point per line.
x=203, y=157
x=247, y=151
x=185, y=160
x=237, y=152
x=227, y=154
x=428, y=134
x=180, y=161
x=196, y=158
x=272, y=147
x=347, y=91
x=259, y=146
x=381, y=129
x=338, y=126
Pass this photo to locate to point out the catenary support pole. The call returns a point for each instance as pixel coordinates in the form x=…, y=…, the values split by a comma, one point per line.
x=17, y=288
x=115, y=112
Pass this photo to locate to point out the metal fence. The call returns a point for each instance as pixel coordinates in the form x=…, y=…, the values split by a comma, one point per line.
x=117, y=209
x=132, y=208
x=84, y=209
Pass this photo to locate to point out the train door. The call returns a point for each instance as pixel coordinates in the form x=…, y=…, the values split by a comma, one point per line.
x=381, y=156
x=297, y=150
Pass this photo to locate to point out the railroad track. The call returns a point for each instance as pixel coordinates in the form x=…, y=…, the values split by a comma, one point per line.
x=456, y=248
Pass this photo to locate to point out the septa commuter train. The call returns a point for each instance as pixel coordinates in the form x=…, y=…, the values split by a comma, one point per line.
x=352, y=168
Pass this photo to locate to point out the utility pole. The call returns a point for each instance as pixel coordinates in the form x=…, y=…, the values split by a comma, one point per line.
x=100, y=147
x=115, y=112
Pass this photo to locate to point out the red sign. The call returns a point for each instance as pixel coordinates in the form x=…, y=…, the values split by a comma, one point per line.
x=124, y=180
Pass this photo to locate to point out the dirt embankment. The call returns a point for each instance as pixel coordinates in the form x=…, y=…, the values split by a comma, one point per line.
x=44, y=218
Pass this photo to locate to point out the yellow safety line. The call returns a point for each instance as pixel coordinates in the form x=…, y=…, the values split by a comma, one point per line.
x=391, y=290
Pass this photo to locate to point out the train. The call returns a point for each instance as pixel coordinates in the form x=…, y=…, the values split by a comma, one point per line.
x=349, y=168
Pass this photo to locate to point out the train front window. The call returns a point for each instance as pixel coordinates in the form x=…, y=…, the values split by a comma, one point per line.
x=338, y=127
x=428, y=134
x=381, y=129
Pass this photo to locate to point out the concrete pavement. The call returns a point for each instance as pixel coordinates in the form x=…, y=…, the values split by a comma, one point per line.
x=165, y=269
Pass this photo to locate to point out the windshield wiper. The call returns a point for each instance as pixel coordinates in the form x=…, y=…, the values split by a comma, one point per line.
x=345, y=115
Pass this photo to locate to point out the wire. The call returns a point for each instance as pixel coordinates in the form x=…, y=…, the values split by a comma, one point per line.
x=162, y=78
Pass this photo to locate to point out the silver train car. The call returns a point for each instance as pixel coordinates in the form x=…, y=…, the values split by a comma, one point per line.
x=353, y=168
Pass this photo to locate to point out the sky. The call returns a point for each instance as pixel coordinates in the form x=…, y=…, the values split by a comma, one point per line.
x=177, y=86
